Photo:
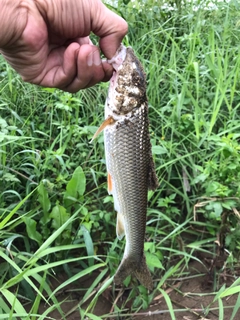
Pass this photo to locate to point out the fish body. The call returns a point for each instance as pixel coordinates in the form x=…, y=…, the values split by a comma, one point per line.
x=129, y=160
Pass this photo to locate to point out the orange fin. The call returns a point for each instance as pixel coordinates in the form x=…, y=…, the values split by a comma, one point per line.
x=120, y=226
x=110, y=184
x=105, y=123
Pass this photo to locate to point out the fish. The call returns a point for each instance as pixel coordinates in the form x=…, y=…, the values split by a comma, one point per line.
x=129, y=160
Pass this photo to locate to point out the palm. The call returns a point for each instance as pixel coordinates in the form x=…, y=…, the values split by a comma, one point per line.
x=55, y=51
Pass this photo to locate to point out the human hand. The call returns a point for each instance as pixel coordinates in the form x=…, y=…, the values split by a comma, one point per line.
x=47, y=41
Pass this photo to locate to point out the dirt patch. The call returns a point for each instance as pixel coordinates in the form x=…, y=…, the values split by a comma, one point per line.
x=191, y=296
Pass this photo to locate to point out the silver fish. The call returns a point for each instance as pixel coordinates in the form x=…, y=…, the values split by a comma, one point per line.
x=129, y=160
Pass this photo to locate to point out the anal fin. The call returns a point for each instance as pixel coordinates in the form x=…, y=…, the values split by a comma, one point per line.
x=110, y=183
x=120, y=226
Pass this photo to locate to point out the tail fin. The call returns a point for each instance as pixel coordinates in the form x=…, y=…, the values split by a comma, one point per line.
x=140, y=270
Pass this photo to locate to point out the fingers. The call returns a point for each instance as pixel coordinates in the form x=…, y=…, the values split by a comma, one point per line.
x=90, y=69
x=54, y=51
x=81, y=41
x=80, y=67
x=109, y=27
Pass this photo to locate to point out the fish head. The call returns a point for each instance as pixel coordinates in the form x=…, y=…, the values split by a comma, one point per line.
x=127, y=90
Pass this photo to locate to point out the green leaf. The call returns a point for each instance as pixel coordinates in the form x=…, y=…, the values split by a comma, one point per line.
x=200, y=178
x=13, y=301
x=153, y=261
x=169, y=303
x=221, y=309
x=104, y=286
x=230, y=291
x=94, y=285
x=212, y=188
x=77, y=276
x=236, y=308
x=44, y=249
x=218, y=209
x=229, y=204
x=10, y=177
x=44, y=202
x=32, y=229
x=76, y=186
x=158, y=150
x=4, y=307
x=93, y=317
x=18, y=206
x=20, y=275
x=149, y=246
x=59, y=215
x=89, y=243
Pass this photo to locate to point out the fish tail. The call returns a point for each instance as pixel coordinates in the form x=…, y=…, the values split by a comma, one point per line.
x=139, y=270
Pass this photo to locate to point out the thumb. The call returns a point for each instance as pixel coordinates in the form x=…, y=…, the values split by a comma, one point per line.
x=110, y=27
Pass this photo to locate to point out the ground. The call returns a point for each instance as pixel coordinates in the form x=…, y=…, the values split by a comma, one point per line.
x=190, y=295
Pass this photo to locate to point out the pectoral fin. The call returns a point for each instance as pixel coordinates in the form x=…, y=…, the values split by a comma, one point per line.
x=105, y=123
x=120, y=226
x=110, y=184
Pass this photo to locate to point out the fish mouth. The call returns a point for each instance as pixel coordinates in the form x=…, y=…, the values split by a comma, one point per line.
x=116, y=62
x=118, y=58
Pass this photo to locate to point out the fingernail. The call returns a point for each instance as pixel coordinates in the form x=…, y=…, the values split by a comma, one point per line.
x=90, y=59
x=96, y=58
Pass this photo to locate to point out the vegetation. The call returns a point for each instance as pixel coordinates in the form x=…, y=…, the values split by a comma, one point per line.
x=55, y=213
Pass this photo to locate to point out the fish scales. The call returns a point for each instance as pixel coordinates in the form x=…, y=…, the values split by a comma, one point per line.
x=129, y=160
x=127, y=150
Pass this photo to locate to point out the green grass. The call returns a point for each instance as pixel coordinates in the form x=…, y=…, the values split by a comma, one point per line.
x=55, y=214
